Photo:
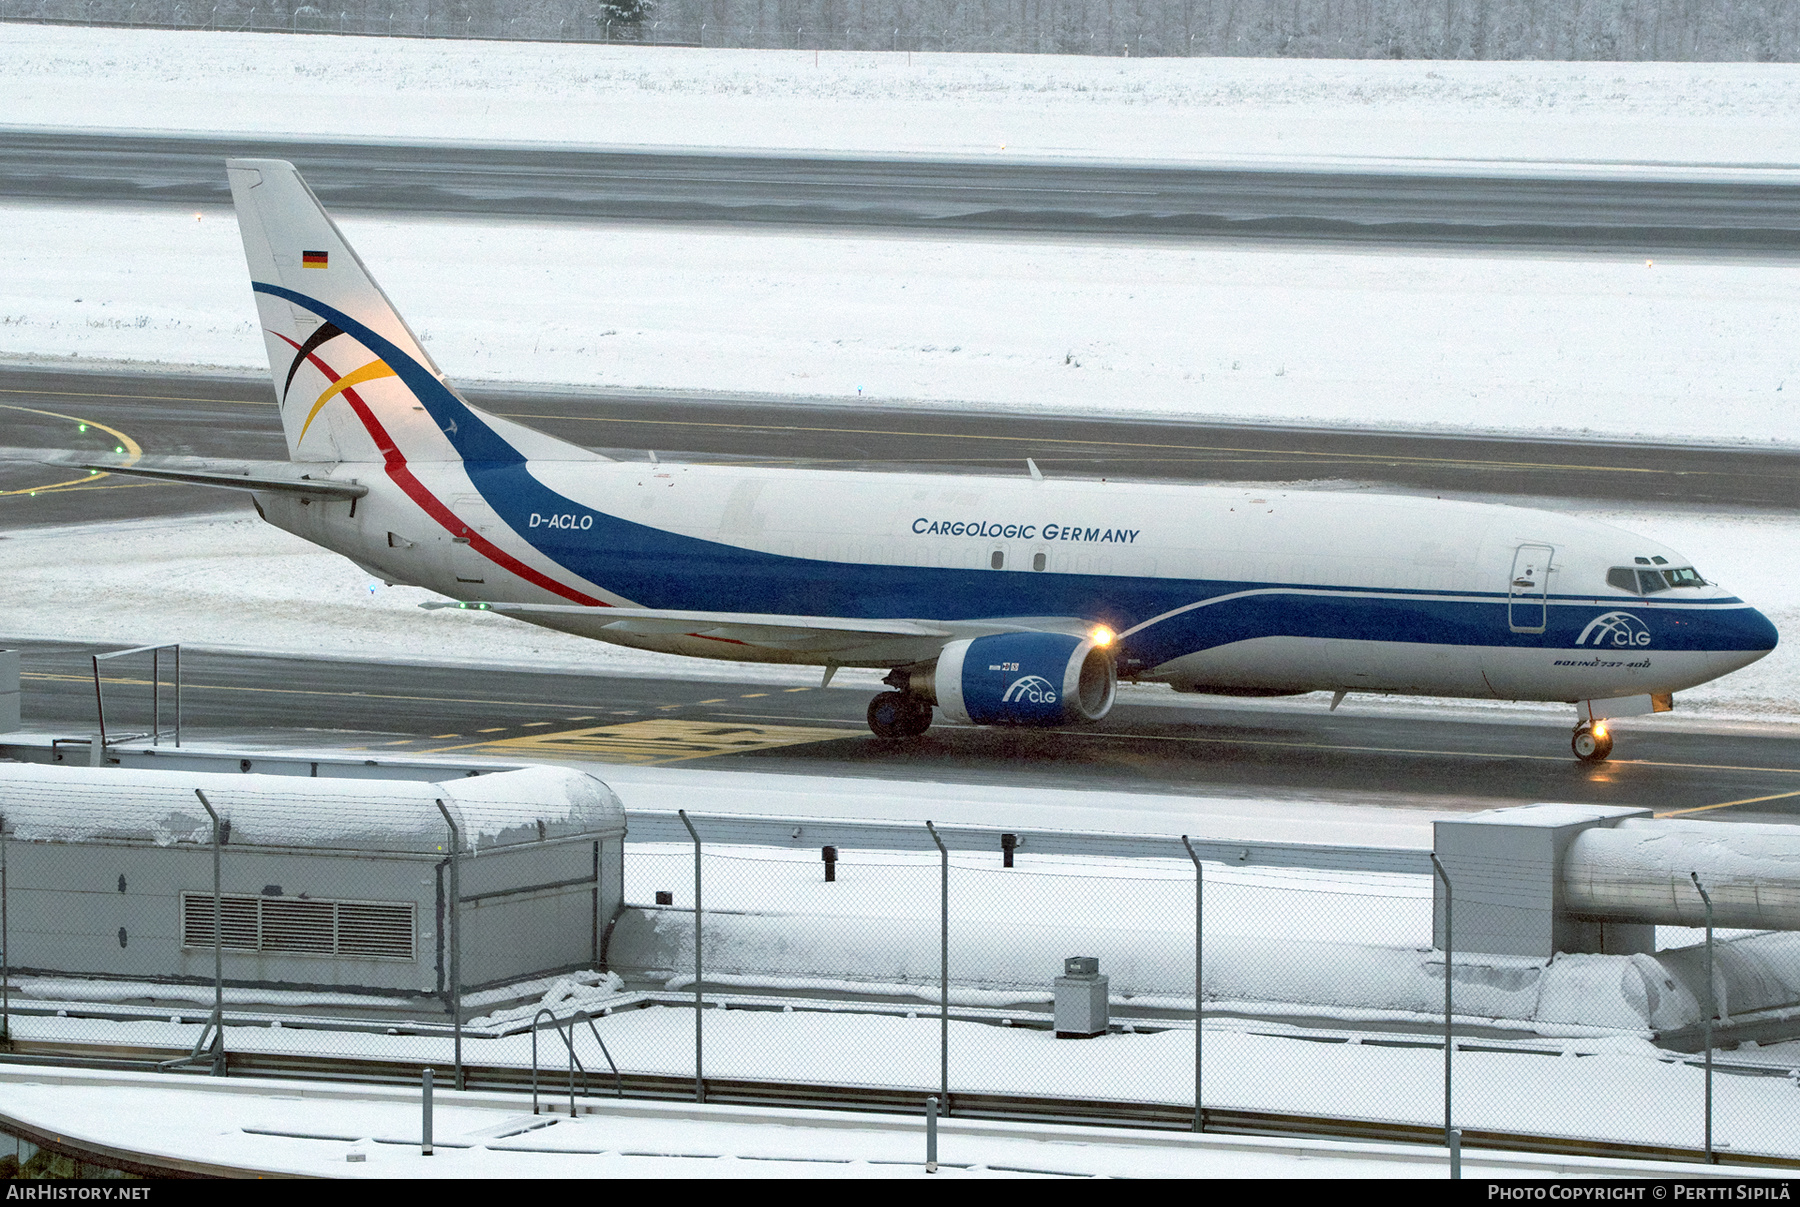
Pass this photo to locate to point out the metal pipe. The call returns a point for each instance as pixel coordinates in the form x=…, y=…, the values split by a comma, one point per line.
x=1199, y=900
x=618, y=1079
x=425, y=1123
x=1711, y=1009
x=218, y=1013
x=931, y=1112
x=699, y=969
x=1452, y=1138
x=99, y=708
x=178, y=695
x=542, y=1011
x=455, y=935
x=1641, y=870
x=156, y=697
x=943, y=967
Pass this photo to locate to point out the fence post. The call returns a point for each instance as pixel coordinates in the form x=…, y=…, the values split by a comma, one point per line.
x=5, y=949
x=218, y=927
x=1711, y=1009
x=943, y=969
x=425, y=1121
x=1451, y=1138
x=1199, y=899
x=699, y=969
x=455, y=937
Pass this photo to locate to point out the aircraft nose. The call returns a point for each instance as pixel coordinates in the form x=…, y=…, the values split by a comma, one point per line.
x=1739, y=637
x=1758, y=631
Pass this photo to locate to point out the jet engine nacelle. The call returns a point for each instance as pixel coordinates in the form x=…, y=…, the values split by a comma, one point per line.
x=1025, y=679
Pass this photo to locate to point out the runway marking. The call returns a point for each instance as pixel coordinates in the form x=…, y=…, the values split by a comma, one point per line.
x=132, y=450
x=665, y=740
x=1373, y=458
x=1748, y=800
x=1090, y=734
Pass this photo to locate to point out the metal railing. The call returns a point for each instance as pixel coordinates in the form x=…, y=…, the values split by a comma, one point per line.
x=156, y=730
x=564, y=1027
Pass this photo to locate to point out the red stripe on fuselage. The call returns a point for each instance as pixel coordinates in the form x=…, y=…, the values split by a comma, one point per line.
x=395, y=464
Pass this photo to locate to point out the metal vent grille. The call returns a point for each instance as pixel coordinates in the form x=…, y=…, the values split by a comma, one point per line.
x=381, y=930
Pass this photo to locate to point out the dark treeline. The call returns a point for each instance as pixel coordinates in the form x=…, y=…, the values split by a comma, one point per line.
x=1692, y=30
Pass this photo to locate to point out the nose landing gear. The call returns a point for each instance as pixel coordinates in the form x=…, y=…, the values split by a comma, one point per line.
x=898, y=715
x=1592, y=743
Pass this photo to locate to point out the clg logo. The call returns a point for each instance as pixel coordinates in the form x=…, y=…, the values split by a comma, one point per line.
x=1618, y=629
x=1032, y=689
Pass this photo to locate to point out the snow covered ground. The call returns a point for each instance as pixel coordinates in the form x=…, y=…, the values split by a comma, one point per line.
x=232, y=581
x=1600, y=346
x=980, y=104
x=311, y=1130
x=1620, y=1089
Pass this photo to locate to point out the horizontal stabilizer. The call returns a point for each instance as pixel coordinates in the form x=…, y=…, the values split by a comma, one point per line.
x=284, y=477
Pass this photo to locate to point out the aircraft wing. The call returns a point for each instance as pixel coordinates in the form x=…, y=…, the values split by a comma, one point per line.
x=284, y=477
x=820, y=636
x=816, y=634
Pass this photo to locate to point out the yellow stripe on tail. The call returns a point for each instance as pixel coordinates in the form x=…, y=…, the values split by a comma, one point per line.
x=369, y=372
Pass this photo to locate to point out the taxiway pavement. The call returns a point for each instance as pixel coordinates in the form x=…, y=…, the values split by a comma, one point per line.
x=1566, y=208
x=234, y=417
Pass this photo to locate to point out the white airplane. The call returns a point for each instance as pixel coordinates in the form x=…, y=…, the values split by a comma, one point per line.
x=996, y=600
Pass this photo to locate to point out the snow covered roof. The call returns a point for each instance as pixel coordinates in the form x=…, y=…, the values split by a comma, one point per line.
x=77, y=804
x=1549, y=814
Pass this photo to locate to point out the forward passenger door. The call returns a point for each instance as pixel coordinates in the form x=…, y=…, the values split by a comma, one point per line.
x=1527, y=589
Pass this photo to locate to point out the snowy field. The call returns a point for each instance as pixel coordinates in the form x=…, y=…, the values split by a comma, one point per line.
x=1593, y=346
x=974, y=104
x=231, y=581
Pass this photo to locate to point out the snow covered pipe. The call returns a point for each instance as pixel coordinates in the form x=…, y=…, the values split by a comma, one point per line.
x=1641, y=870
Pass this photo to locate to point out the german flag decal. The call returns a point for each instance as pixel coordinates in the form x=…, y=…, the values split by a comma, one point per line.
x=315, y=259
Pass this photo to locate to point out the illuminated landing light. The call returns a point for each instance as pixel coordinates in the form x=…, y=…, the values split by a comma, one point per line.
x=1600, y=729
x=1102, y=635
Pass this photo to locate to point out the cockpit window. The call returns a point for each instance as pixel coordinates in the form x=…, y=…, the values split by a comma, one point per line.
x=1640, y=581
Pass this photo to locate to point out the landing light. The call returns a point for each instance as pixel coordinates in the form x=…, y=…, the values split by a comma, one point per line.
x=1102, y=635
x=1600, y=729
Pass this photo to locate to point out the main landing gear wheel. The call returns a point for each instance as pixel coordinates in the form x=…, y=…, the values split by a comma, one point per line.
x=898, y=715
x=1592, y=743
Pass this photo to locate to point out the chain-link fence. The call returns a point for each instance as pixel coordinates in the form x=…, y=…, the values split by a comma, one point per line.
x=1751, y=30
x=506, y=934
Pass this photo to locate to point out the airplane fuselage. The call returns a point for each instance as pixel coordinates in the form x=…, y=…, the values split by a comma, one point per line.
x=1209, y=588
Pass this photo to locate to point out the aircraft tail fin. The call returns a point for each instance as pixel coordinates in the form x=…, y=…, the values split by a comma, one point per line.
x=351, y=379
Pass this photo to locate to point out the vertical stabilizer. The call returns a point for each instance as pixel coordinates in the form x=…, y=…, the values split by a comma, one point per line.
x=351, y=379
